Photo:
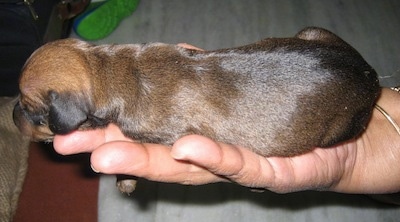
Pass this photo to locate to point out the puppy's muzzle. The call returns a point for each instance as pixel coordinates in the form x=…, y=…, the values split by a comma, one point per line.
x=31, y=124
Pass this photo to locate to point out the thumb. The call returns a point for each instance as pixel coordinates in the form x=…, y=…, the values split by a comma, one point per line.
x=235, y=163
x=119, y=157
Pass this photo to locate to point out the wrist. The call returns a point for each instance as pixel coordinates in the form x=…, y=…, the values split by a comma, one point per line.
x=372, y=163
x=390, y=101
x=378, y=149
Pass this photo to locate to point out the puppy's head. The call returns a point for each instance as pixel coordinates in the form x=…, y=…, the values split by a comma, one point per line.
x=55, y=90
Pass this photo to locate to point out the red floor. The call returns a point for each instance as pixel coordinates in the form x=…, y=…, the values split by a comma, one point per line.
x=58, y=188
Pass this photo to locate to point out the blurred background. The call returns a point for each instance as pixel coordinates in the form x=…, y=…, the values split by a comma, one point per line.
x=372, y=27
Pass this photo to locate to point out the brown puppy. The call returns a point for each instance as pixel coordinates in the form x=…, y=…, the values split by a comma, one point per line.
x=278, y=97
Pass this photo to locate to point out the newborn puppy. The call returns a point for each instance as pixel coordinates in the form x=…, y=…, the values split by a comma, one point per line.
x=277, y=97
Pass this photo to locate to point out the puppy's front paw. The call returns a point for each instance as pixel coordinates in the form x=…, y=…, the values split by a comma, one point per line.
x=126, y=184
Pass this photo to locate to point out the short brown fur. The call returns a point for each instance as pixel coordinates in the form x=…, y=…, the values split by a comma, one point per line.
x=278, y=97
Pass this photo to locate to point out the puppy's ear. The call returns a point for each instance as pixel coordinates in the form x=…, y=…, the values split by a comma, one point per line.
x=319, y=34
x=66, y=112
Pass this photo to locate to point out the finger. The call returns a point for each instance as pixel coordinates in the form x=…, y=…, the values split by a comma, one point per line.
x=237, y=164
x=87, y=140
x=188, y=46
x=150, y=161
x=78, y=141
x=314, y=170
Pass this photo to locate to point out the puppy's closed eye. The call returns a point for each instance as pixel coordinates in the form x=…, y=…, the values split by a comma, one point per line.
x=38, y=119
x=34, y=118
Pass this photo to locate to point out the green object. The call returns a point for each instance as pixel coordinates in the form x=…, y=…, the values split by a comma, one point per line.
x=101, y=18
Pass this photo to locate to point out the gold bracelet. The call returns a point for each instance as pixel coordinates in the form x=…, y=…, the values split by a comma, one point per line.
x=386, y=115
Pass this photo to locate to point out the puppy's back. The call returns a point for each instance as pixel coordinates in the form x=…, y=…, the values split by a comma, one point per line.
x=286, y=96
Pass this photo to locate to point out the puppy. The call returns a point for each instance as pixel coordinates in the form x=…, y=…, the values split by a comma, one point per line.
x=277, y=97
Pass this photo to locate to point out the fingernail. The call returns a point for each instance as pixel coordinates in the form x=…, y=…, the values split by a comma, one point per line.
x=176, y=154
x=94, y=170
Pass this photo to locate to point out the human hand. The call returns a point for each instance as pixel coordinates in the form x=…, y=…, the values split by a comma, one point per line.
x=363, y=165
x=198, y=160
